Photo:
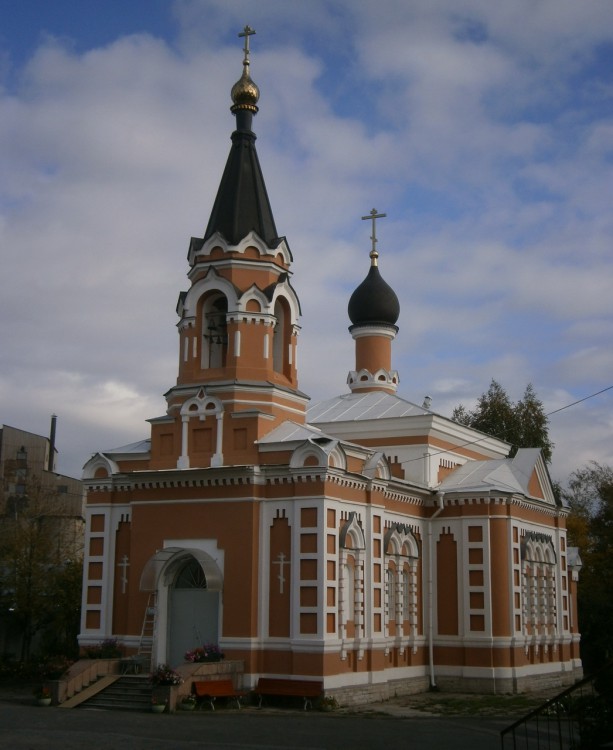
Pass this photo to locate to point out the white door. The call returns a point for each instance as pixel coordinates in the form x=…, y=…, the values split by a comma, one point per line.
x=193, y=613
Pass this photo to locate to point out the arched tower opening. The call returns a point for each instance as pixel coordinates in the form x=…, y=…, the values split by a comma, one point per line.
x=282, y=338
x=214, y=331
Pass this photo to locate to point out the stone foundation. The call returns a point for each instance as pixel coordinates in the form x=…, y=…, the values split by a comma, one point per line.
x=353, y=695
x=529, y=683
x=532, y=683
x=356, y=695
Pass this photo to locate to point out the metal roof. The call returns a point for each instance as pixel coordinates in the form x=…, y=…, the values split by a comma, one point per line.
x=362, y=406
x=141, y=446
x=504, y=474
x=242, y=203
x=292, y=431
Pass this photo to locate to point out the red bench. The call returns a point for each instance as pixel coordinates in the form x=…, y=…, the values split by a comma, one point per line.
x=209, y=690
x=305, y=689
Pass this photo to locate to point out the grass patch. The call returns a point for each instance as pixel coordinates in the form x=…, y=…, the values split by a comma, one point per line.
x=474, y=705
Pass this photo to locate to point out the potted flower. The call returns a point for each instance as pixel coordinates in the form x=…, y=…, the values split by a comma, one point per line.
x=165, y=680
x=165, y=675
x=188, y=702
x=43, y=696
x=158, y=706
x=206, y=653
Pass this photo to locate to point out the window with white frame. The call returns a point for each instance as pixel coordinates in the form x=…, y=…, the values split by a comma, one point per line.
x=406, y=595
x=391, y=593
x=349, y=591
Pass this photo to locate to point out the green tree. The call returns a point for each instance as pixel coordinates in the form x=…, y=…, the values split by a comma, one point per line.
x=532, y=424
x=523, y=424
x=63, y=621
x=590, y=527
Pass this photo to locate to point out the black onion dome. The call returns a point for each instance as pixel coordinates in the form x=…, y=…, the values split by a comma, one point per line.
x=374, y=302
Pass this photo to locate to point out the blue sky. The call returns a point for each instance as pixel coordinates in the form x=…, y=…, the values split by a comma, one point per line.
x=484, y=131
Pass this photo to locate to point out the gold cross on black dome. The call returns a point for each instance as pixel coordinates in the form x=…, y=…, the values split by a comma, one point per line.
x=373, y=216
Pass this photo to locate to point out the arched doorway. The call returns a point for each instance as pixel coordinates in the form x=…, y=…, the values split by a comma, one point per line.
x=193, y=615
x=185, y=584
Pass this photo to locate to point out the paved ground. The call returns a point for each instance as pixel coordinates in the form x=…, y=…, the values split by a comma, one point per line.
x=402, y=723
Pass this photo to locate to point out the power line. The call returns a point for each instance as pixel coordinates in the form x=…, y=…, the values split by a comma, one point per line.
x=555, y=411
x=486, y=437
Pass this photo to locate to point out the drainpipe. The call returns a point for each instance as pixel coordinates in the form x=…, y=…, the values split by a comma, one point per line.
x=439, y=496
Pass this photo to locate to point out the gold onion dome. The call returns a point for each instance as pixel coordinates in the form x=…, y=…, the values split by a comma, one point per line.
x=245, y=93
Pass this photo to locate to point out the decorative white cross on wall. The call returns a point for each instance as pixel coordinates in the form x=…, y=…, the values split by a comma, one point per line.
x=281, y=561
x=124, y=565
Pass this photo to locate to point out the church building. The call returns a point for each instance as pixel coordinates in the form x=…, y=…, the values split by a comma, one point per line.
x=364, y=541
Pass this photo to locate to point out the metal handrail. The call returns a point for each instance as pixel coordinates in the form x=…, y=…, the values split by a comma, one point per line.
x=579, y=718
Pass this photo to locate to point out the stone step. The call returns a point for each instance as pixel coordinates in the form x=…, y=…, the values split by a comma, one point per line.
x=129, y=693
x=89, y=692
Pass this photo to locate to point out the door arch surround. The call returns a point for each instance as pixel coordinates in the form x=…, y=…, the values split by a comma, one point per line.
x=188, y=586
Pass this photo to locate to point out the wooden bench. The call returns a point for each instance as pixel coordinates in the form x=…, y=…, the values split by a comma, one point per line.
x=209, y=690
x=305, y=689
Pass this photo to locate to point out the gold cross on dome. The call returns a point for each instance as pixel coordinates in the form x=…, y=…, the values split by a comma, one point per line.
x=246, y=32
x=373, y=216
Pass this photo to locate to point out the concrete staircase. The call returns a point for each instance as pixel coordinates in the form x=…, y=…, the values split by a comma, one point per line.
x=128, y=693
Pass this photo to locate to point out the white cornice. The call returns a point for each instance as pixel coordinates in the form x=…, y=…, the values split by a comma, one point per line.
x=382, y=379
x=233, y=386
x=383, y=331
x=202, y=266
x=251, y=240
x=475, y=496
x=246, y=476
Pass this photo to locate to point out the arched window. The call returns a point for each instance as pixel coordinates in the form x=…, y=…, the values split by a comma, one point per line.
x=351, y=544
x=190, y=576
x=281, y=338
x=401, y=553
x=539, y=611
x=215, y=331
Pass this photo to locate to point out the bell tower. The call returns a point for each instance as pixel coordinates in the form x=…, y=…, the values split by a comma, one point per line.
x=238, y=322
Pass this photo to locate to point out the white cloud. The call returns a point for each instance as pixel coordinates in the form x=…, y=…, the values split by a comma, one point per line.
x=483, y=136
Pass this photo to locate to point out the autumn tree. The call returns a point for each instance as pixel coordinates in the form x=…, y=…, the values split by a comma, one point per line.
x=590, y=528
x=523, y=424
x=40, y=554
